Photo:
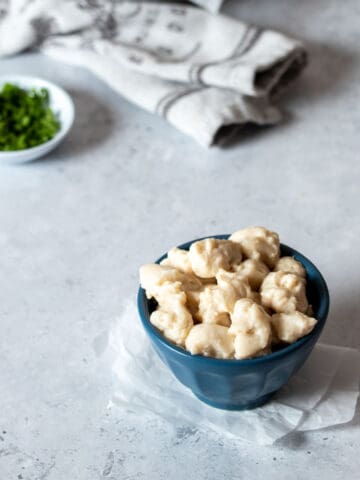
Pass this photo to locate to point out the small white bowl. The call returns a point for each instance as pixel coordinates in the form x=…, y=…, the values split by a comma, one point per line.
x=60, y=103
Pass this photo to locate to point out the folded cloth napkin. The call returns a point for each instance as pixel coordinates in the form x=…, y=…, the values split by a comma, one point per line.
x=212, y=5
x=323, y=393
x=198, y=70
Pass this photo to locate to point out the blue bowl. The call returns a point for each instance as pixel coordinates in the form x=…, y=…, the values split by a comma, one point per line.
x=240, y=384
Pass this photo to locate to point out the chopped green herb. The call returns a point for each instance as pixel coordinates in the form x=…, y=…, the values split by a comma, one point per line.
x=26, y=119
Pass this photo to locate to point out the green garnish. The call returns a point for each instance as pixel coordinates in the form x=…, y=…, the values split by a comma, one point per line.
x=26, y=119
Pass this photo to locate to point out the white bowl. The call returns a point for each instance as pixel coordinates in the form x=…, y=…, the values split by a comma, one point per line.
x=60, y=103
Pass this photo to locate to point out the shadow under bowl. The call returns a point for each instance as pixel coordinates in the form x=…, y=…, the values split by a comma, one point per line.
x=240, y=384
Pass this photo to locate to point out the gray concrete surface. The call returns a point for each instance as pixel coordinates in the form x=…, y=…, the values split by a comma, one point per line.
x=124, y=188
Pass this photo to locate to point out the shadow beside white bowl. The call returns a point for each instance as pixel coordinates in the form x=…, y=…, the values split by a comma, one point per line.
x=60, y=103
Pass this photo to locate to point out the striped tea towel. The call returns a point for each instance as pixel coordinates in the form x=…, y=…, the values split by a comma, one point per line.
x=198, y=70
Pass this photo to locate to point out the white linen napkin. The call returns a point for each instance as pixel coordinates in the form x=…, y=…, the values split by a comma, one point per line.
x=198, y=70
x=212, y=5
x=323, y=393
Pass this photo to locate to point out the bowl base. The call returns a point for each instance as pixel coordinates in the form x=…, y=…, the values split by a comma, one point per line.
x=237, y=406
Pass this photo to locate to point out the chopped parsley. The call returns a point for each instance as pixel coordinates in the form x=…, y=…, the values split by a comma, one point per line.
x=26, y=119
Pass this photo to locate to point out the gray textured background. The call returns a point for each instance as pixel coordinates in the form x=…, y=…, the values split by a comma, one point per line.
x=124, y=188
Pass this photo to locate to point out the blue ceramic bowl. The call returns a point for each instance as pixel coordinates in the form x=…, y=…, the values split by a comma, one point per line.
x=240, y=384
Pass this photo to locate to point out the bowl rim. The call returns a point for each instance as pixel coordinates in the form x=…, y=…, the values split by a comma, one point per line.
x=321, y=316
x=64, y=128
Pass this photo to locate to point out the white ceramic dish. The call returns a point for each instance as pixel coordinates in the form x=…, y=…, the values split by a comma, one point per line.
x=60, y=103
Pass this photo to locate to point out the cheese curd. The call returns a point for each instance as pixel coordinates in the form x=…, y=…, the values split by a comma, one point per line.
x=214, y=302
x=217, y=301
x=284, y=292
x=178, y=259
x=232, y=281
x=252, y=329
x=290, y=265
x=215, y=305
x=172, y=317
x=210, y=340
x=258, y=243
x=289, y=327
x=209, y=255
x=254, y=271
x=153, y=277
x=192, y=301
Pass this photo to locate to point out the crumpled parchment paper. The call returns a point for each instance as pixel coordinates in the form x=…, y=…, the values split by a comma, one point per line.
x=323, y=393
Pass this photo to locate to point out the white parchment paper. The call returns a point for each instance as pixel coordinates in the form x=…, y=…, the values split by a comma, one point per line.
x=323, y=393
